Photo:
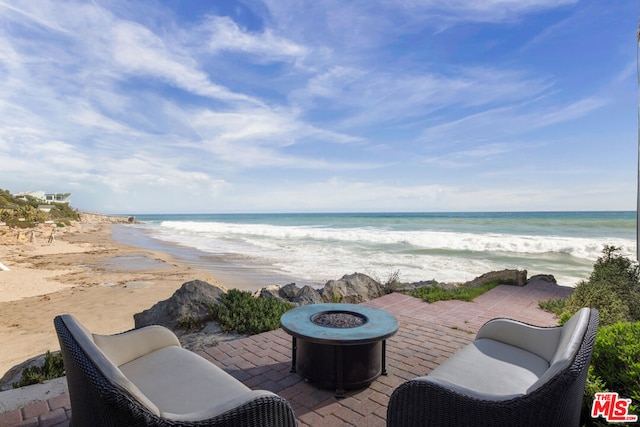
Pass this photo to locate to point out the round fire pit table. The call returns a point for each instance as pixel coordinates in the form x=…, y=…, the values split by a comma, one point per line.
x=341, y=346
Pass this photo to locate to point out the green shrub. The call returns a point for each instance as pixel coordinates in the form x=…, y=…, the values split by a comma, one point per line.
x=554, y=305
x=593, y=385
x=615, y=367
x=613, y=288
x=52, y=368
x=240, y=312
x=191, y=323
x=64, y=212
x=437, y=293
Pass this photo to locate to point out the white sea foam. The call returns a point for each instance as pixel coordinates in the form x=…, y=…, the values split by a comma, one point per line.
x=317, y=253
x=274, y=237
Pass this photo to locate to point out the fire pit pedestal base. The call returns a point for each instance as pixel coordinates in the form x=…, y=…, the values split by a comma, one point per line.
x=342, y=357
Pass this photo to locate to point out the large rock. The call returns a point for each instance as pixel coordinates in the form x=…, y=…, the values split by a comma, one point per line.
x=270, y=291
x=354, y=288
x=286, y=293
x=506, y=277
x=289, y=291
x=549, y=278
x=307, y=295
x=209, y=336
x=189, y=303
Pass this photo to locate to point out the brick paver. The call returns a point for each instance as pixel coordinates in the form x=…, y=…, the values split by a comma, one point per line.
x=428, y=335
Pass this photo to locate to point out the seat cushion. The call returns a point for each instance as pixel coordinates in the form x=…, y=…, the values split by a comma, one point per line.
x=490, y=369
x=178, y=381
x=124, y=347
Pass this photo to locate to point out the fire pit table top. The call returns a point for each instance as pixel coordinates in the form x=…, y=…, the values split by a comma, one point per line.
x=378, y=324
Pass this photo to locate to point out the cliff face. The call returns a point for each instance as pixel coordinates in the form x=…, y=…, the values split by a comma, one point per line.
x=93, y=218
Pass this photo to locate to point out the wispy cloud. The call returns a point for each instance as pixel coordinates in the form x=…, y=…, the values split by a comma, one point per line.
x=226, y=35
x=28, y=17
x=363, y=24
x=482, y=11
x=151, y=100
x=405, y=97
x=471, y=157
x=140, y=52
x=510, y=121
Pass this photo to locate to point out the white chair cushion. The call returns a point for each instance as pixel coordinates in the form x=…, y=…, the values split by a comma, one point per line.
x=125, y=347
x=534, y=339
x=178, y=381
x=489, y=369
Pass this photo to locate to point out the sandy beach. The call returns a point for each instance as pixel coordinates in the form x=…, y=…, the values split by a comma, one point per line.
x=82, y=272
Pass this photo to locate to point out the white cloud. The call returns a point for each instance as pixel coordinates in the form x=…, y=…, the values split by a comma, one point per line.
x=502, y=122
x=472, y=157
x=137, y=50
x=334, y=82
x=369, y=97
x=256, y=138
x=225, y=34
x=87, y=117
x=30, y=18
x=455, y=11
x=363, y=24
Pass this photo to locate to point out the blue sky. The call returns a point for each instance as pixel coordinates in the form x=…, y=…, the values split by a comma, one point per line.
x=298, y=106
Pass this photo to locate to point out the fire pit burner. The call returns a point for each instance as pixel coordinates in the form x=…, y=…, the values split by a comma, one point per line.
x=339, y=346
x=339, y=319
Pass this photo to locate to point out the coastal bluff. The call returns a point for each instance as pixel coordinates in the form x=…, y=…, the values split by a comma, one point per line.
x=97, y=218
x=40, y=232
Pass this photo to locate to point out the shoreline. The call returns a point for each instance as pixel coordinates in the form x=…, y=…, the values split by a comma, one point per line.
x=77, y=274
x=234, y=270
x=444, y=247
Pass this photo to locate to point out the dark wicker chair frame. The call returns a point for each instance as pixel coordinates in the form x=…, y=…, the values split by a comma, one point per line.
x=557, y=403
x=97, y=402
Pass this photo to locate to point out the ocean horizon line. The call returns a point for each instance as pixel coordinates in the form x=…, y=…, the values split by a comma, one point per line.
x=374, y=212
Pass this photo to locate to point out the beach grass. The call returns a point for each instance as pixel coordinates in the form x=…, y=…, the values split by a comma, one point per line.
x=464, y=293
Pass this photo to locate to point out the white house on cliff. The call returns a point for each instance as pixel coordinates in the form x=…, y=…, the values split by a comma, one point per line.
x=47, y=197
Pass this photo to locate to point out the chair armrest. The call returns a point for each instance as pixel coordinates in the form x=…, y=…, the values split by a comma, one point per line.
x=127, y=346
x=464, y=391
x=542, y=341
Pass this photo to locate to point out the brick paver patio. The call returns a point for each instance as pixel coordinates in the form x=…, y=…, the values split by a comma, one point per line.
x=428, y=335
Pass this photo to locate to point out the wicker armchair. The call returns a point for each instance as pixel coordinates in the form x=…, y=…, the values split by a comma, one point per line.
x=144, y=378
x=513, y=374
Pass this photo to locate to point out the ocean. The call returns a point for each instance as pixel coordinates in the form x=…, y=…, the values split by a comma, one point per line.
x=255, y=250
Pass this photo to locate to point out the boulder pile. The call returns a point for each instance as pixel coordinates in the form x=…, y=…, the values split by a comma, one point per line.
x=187, y=312
x=352, y=288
